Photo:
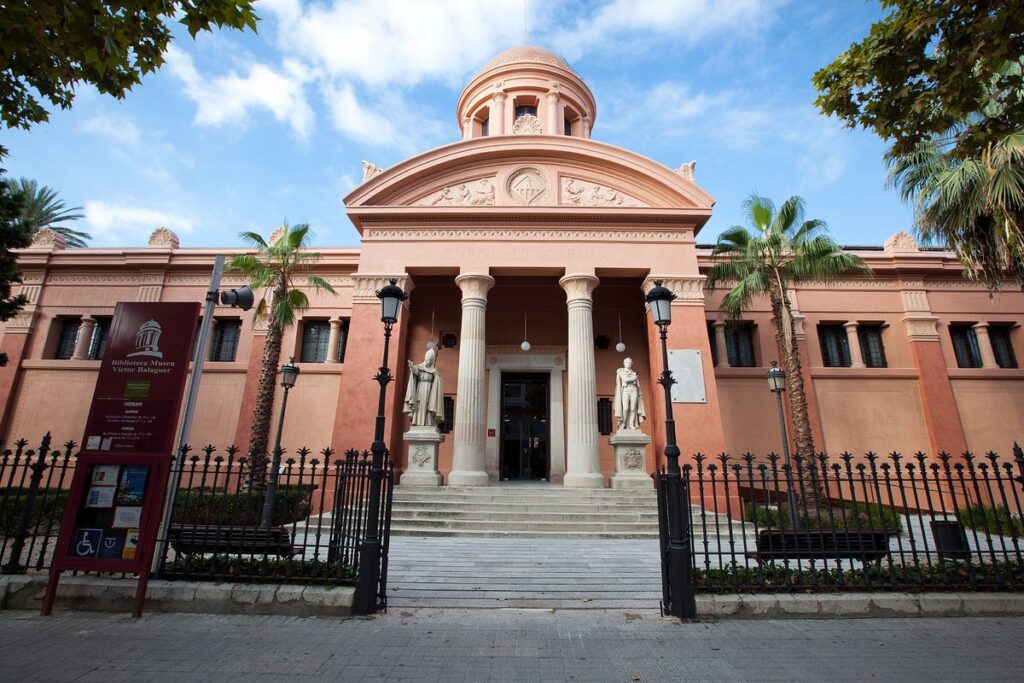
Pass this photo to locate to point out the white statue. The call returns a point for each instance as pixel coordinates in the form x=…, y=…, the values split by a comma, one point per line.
x=629, y=401
x=424, y=396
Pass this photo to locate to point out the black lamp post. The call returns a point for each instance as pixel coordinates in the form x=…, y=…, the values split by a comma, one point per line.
x=683, y=604
x=776, y=377
x=365, y=600
x=289, y=373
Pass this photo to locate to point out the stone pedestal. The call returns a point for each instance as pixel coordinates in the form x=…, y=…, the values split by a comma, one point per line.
x=421, y=451
x=631, y=460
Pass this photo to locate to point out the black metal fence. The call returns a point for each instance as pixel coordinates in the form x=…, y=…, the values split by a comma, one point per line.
x=848, y=523
x=215, y=531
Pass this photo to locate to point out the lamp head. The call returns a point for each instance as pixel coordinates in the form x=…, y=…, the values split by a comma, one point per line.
x=660, y=300
x=776, y=377
x=391, y=297
x=238, y=298
x=289, y=373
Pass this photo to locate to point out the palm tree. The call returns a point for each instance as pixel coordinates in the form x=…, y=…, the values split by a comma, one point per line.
x=41, y=209
x=274, y=267
x=780, y=249
x=973, y=205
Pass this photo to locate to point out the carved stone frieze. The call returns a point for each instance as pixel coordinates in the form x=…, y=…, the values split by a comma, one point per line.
x=473, y=193
x=163, y=238
x=149, y=293
x=689, y=289
x=367, y=286
x=921, y=327
x=514, y=233
x=577, y=192
x=916, y=301
x=527, y=186
x=527, y=124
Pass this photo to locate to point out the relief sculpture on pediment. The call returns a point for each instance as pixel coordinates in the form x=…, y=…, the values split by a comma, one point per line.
x=475, y=193
x=576, y=192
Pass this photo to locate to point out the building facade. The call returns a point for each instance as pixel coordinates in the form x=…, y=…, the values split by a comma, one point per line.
x=529, y=234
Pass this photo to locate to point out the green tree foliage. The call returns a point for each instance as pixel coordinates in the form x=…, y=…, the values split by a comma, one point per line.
x=931, y=64
x=779, y=249
x=13, y=235
x=274, y=267
x=48, y=48
x=42, y=209
x=974, y=205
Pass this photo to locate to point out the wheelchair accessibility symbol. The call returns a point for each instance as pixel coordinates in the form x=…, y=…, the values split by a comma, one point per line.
x=86, y=542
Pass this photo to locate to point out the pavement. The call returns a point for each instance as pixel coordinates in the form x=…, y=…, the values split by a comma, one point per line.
x=501, y=645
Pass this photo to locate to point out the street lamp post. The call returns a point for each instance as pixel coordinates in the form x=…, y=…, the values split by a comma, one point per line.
x=289, y=373
x=776, y=377
x=683, y=604
x=365, y=600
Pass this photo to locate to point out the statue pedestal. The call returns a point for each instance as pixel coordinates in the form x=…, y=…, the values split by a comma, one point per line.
x=631, y=460
x=421, y=455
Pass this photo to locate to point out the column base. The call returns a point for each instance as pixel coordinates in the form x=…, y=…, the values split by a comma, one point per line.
x=468, y=478
x=421, y=457
x=631, y=460
x=590, y=480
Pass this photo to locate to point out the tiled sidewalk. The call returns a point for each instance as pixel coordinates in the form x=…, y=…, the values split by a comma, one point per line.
x=501, y=645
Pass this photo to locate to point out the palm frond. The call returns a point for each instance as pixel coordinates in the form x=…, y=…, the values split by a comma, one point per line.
x=319, y=284
x=738, y=299
x=254, y=238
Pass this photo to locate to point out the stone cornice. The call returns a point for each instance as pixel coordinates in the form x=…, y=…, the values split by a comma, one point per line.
x=500, y=234
x=689, y=289
x=367, y=285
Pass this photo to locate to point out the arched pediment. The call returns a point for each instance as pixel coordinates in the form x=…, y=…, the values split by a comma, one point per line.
x=536, y=173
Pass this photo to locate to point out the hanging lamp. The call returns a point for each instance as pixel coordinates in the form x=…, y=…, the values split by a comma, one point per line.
x=620, y=347
x=525, y=346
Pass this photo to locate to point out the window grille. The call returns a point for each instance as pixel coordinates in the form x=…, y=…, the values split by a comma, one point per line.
x=835, y=348
x=224, y=345
x=739, y=344
x=68, y=336
x=1002, y=347
x=315, y=336
x=871, y=347
x=965, y=345
x=98, y=344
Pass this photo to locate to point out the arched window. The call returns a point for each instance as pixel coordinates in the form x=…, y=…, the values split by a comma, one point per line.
x=485, y=127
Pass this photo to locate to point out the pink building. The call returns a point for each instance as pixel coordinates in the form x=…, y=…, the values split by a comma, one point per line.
x=527, y=230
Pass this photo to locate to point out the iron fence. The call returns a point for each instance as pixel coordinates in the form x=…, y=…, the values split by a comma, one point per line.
x=215, y=531
x=871, y=523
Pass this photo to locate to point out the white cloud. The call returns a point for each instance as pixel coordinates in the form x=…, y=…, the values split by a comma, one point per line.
x=225, y=100
x=122, y=224
x=389, y=121
x=689, y=21
x=144, y=152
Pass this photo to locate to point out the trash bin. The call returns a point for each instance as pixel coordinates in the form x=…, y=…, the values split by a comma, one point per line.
x=950, y=540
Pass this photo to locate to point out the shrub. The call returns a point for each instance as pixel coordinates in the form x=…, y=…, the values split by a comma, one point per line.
x=46, y=511
x=844, y=516
x=998, y=520
x=293, y=503
x=259, y=570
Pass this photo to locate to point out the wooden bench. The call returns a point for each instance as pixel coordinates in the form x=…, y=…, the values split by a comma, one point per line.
x=866, y=545
x=232, y=540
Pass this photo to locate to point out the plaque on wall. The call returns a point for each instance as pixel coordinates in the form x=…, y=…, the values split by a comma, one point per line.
x=688, y=371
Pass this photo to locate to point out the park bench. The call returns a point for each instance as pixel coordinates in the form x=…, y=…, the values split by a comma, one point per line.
x=866, y=545
x=232, y=540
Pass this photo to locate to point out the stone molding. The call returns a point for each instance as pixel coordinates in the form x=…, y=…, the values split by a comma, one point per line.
x=689, y=289
x=367, y=286
x=579, y=286
x=164, y=238
x=520, y=234
x=474, y=285
x=21, y=322
x=579, y=192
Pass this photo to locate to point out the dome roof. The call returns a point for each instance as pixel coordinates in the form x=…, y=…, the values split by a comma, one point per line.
x=527, y=53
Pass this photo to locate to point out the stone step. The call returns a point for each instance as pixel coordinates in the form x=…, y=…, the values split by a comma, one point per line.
x=638, y=516
x=524, y=508
x=397, y=530
x=527, y=524
x=491, y=492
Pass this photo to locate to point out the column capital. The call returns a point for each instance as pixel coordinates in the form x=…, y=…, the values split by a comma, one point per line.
x=689, y=289
x=579, y=286
x=922, y=327
x=719, y=324
x=367, y=285
x=851, y=325
x=499, y=96
x=474, y=285
x=552, y=95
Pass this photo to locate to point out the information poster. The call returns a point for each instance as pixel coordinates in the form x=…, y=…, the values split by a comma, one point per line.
x=114, y=508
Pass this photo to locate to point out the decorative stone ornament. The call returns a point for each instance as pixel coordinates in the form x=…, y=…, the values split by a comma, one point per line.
x=370, y=170
x=630, y=460
x=527, y=124
x=527, y=186
x=421, y=449
x=687, y=169
x=48, y=239
x=162, y=238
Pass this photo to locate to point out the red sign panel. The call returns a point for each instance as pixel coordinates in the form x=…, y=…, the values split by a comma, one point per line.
x=114, y=508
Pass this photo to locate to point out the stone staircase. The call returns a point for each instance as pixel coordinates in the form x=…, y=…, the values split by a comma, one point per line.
x=524, y=511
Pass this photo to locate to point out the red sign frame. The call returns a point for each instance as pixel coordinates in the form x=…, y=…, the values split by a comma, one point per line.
x=132, y=424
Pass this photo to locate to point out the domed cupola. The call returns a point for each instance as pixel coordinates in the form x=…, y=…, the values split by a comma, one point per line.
x=526, y=90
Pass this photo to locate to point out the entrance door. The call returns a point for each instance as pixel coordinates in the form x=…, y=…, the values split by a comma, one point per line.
x=524, y=426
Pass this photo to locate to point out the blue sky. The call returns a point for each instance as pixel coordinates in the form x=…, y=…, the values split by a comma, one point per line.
x=241, y=131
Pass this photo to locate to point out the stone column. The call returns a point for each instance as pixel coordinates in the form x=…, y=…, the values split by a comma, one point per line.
x=84, y=339
x=468, y=467
x=496, y=126
x=988, y=356
x=583, y=457
x=853, y=341
x=333, y=341
x=723, y=348
x=555, y=124
x=585, y=127
x=467, y=128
